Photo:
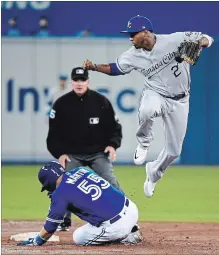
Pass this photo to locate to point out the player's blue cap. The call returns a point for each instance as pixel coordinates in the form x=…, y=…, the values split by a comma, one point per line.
x=63, y=76
x=49, y=174
x=138, y=24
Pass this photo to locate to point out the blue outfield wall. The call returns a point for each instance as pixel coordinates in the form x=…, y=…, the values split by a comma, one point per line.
x=201, y=145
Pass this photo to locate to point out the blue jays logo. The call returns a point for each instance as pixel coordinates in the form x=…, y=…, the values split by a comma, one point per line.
x=129, y=24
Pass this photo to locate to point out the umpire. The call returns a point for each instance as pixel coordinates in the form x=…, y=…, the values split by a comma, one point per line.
x=83, y=131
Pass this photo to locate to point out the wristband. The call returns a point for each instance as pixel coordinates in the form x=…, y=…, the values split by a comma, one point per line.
x=38, y=240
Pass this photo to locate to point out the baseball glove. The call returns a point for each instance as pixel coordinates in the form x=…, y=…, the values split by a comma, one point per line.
x=189, y=52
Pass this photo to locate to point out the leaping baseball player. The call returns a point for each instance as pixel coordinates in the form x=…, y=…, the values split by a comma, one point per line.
x=164, y=61
x=111, y=216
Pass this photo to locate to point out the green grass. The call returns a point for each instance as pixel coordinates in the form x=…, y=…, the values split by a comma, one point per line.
x=183, y=194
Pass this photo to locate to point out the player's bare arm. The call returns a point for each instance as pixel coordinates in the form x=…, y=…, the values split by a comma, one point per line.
x=103, y=68
x=110, y=69
x=44, y=234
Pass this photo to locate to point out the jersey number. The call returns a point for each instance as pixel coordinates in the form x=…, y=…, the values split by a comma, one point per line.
x=96, y=190
x=175, y=70
x=52, y=114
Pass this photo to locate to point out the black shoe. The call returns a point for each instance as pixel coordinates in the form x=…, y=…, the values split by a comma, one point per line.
x=65, y=225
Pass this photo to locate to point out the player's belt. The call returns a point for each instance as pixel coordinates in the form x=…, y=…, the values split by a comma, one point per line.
x=119, y=216
x=178, y=97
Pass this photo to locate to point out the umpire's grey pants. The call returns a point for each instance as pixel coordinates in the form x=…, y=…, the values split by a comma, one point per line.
x=98, y=162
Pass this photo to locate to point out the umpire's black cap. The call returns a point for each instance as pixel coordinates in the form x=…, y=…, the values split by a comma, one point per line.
x=79, y=73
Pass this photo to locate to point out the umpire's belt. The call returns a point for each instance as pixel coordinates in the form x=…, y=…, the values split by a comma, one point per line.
x=119, y=216
x=178, y=97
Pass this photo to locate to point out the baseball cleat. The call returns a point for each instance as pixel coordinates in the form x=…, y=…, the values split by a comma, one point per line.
x=134, y=237
x=140, y=155
x=149, y=185
x=65, y=225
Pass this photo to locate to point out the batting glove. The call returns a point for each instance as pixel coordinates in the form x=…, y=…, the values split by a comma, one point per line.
x=29, y=242
x=37, y=241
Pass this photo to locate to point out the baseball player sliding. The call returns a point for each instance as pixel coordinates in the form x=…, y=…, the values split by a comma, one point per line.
x=111, y=216
x=164, y=61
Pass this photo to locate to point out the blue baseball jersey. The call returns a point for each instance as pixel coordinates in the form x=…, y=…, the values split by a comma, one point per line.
x=85, y=194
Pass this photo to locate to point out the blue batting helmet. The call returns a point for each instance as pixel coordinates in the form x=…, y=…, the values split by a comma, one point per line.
x=49, y=174
x=138, y=24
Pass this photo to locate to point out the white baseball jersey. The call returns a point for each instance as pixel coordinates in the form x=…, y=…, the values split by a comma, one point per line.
x=161, y=71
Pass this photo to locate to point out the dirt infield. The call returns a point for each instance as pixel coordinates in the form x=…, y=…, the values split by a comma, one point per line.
x=159, y=238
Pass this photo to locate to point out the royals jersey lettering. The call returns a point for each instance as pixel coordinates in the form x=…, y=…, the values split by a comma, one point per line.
x=161, y=71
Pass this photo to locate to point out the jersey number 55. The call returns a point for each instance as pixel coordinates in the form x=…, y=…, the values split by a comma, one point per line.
x=85, y=187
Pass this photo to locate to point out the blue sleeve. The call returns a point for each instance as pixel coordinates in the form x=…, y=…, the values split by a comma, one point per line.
x=56, y=214
x=114, y=70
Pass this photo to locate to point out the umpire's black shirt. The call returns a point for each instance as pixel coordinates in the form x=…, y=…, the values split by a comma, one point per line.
x=82, y=125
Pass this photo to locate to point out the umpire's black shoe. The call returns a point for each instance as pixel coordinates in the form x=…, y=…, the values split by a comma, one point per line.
x=65, y=225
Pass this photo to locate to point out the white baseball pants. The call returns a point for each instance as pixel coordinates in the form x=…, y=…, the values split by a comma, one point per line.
x=108, y=232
